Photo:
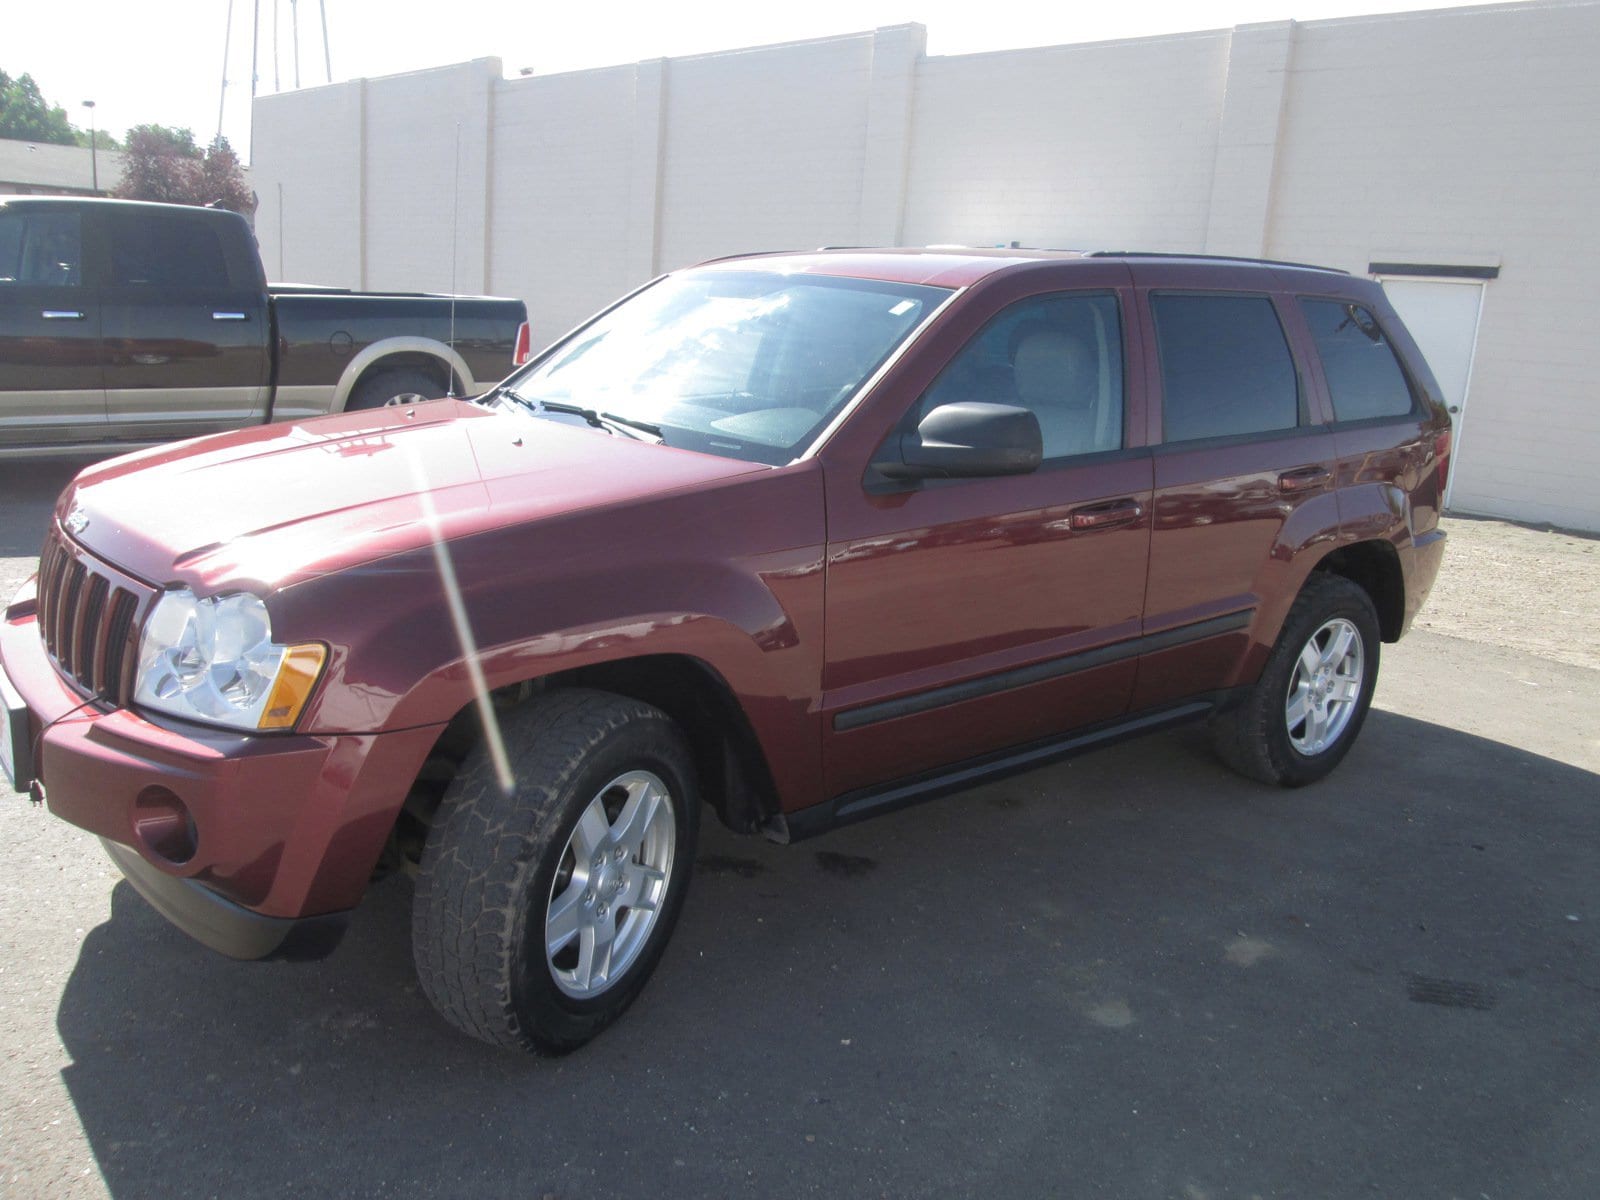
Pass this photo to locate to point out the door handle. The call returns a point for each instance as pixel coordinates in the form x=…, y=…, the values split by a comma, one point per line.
x=1305, y=479
x=61, y=314
x=230, y=316
x=1102, y=516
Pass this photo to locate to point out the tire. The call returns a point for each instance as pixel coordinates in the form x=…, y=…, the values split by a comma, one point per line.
x=1300, y=719
x=394, y=385
x=498, y=866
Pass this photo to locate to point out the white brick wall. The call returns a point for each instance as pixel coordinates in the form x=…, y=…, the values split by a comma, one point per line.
x=1259, y=58
x=1461, y=136
x=309, y=218
x=763, y=149
x=563, y=168
x=410, y=156
x=1103, y=146
x=1469, y=136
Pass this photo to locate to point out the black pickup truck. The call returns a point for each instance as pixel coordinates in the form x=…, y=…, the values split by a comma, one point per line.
x=125, y=324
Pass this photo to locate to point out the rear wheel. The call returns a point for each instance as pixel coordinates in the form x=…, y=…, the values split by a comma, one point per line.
x=395, y=385
x=1300, y=719
x=540, y=913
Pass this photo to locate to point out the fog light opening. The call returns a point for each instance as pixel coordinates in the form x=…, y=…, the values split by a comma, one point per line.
x=164, y=827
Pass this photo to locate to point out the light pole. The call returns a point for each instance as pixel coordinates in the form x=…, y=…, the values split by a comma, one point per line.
x=94, y=150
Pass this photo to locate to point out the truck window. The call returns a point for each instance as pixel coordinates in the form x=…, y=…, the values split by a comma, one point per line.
x=1225, y=367
x=162, y=249
x=1364, y=377
x=41, y=249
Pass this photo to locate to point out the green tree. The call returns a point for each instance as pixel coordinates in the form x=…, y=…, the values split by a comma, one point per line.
x=26, y=116
x=164, y=164
x=102, y=139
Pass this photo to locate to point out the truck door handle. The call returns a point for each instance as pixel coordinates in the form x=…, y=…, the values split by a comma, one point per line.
x=230, y=316
x=1102, y=516
x=61, y=314
x=1304, y=480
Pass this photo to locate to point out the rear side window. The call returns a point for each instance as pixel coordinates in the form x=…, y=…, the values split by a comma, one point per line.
x=1364, y=376
x=41, y=249
x=159, y=249
x=1225, y=367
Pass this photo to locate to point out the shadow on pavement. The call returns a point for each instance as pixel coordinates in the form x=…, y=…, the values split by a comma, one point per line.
x=1133, y=975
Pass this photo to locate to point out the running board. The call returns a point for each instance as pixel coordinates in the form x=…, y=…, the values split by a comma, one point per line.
x=885, y=798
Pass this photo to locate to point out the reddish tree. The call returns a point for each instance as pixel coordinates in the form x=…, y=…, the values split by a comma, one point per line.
x=165, y=165
x=221, y=180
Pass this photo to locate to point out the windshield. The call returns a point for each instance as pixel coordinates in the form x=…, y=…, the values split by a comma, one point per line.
x=744, y=364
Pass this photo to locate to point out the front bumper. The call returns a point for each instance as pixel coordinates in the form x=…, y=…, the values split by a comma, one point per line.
x=255, y=845
x=219, y=923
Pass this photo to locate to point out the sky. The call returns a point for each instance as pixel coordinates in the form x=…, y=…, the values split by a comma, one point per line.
x=162, y=61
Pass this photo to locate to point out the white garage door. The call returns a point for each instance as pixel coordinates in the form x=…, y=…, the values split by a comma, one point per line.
x=1443, y=316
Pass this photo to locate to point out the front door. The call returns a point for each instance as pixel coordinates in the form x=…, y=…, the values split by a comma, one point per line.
x=50, y=382
x=970, y=615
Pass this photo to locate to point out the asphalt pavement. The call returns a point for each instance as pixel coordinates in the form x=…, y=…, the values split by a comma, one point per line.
x=1132, y=975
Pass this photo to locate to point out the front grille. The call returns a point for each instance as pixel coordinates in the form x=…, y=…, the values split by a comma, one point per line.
x=89, y=619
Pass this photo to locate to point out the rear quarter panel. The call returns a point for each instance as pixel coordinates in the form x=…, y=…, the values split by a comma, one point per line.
x=321, y=333
x=1390, y=473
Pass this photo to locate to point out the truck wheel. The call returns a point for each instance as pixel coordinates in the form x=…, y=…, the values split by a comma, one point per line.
x=395, y=385
x=1299, y=720
x=540, y=914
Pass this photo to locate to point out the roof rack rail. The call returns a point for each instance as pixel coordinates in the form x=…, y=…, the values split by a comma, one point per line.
x=706, y=262
x=1238, y=258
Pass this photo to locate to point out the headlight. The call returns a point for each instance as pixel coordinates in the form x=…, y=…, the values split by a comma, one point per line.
x=215, y=660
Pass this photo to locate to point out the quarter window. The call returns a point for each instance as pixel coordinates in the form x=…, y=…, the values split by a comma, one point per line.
x=1225, y=367
x=1363, y=374
x=41, y=249
x=1059, y=356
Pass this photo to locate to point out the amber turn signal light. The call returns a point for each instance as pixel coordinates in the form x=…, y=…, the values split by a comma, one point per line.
x=297, y=675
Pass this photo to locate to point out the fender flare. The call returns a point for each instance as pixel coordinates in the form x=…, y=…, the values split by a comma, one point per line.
x=386, y=347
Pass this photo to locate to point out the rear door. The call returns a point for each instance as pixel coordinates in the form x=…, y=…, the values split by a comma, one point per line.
x=50, y=381
x=185, y=322
x=1244, y=463
x=966, y=616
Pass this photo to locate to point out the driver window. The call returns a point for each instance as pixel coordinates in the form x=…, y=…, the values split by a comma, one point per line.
x=1059, y=356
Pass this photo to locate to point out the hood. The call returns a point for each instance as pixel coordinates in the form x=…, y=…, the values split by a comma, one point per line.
x=268, y=507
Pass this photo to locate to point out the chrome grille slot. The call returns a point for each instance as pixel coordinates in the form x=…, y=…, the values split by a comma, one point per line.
x=88, y=615
x=67, y=614
x=114, y=663
x=53, y=562
x=86, y=630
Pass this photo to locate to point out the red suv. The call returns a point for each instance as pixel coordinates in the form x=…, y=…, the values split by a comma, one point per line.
x=801, y=537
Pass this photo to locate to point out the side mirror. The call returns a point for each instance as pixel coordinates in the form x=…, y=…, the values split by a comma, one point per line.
x=969, y=440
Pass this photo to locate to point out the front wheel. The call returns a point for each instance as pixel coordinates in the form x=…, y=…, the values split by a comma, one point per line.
x=1301, y=717
x=540, y=913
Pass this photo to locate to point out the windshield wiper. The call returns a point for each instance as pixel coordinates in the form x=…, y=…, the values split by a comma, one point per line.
x=610, y=422
x=600, y=420
x=511, y=393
